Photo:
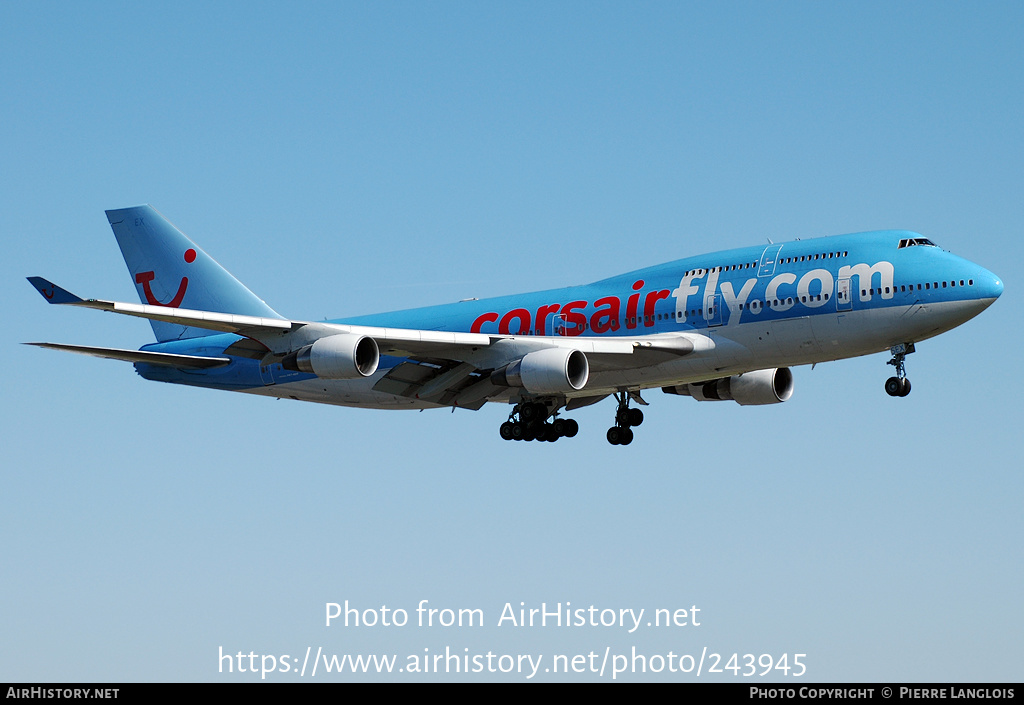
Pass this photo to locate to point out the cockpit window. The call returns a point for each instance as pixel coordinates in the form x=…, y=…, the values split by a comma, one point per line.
x=912, y=241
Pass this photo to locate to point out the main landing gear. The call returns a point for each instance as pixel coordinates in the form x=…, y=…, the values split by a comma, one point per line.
x=621, y=434
x=899, y=386
x=529, y=422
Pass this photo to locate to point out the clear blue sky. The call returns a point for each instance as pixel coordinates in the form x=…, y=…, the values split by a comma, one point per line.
x=347, y=158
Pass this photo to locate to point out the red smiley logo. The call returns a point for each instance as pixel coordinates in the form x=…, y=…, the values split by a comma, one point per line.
x=145, y=278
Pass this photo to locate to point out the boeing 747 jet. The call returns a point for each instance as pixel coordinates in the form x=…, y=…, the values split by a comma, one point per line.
x=721, y=326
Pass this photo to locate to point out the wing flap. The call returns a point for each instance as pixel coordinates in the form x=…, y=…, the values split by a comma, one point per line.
x=441, y=384
x=403, y=380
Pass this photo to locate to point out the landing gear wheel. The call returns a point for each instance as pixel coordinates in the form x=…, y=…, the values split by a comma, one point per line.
x=614, y=435
x=537, y=421
x=636, y=417
x=529, y=412
x=625, y=437
x=906, y=387
x=546, y=432
x=894, y=387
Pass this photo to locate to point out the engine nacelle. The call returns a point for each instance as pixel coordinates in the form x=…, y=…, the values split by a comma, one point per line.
x=342, y=356
x=549, y=371
x=750, y=388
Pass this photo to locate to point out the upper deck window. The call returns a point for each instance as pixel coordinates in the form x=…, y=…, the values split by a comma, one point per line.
x=912, y=241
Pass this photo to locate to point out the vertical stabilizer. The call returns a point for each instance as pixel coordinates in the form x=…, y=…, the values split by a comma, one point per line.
x=170, y=270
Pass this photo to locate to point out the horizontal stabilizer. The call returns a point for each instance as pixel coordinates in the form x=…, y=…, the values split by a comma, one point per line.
x=150, y=358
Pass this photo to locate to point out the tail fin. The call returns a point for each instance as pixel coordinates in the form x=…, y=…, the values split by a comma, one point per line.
x=169, y=270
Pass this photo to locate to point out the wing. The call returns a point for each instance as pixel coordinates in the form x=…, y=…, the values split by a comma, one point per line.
x=224, y=322
x=447, y=367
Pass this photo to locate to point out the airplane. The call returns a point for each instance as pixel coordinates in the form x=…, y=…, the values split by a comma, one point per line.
x=722, y=326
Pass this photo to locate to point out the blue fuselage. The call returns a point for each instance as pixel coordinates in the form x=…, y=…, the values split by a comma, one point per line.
x=781, y=304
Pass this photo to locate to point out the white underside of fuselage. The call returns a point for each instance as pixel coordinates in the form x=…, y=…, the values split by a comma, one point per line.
x=744, y=347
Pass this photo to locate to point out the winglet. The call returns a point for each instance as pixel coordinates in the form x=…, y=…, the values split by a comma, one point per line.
x=53, y=293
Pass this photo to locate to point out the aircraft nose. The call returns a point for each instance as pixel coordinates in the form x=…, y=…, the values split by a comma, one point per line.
x=992, y=286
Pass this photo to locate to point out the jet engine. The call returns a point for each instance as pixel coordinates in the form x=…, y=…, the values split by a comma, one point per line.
x=760, y=387
x=343, y=356
x=549, y=371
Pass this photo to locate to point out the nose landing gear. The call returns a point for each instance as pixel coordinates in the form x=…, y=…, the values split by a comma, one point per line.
x=899, y=386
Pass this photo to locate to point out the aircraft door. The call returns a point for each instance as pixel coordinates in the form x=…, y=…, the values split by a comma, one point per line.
x=713, y=306
x=768, y=260
x=844, y=300
x=558, y=325
x=267, y=374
